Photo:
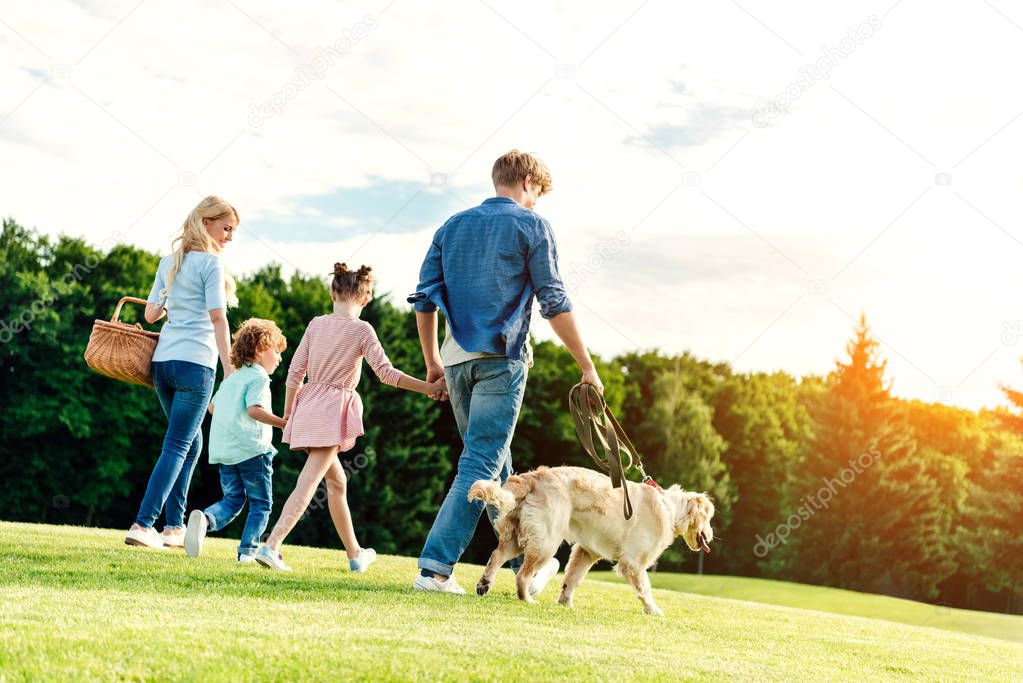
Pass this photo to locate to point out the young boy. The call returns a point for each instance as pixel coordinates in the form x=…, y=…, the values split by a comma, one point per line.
x=240, y=440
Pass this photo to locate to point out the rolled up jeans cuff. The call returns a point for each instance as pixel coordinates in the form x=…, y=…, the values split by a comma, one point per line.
x=213, y=525
x=436, y=567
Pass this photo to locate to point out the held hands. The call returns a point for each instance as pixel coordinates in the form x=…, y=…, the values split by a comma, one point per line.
x=438, y=390
x=438, y=386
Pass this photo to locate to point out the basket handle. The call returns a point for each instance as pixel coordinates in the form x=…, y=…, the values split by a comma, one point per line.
x=133, y=299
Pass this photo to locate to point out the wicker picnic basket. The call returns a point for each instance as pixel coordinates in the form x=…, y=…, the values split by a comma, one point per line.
x=120, y=350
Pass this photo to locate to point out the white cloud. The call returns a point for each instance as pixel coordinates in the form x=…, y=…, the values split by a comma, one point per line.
x=165, y=92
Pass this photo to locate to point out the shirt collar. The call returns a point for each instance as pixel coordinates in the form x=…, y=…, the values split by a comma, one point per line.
x=500, y=200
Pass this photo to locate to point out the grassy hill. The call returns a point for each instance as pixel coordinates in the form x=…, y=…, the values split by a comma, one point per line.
x=79, y=604
x=838, y=601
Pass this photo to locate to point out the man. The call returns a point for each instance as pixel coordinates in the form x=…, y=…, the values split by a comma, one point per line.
x=483, y=269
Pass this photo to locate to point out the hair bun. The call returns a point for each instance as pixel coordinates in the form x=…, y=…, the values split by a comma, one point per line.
x=364, y=272
x=340, y=269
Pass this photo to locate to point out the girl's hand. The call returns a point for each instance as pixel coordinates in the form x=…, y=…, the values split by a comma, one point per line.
x=438, y=390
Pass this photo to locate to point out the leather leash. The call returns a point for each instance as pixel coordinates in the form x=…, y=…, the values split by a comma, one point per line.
x=592, y=418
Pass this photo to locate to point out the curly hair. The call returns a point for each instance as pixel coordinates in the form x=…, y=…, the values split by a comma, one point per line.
x=254, y=337
x=351, y=285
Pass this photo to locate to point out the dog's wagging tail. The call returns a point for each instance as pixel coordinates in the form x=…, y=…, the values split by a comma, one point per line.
x=491, y=493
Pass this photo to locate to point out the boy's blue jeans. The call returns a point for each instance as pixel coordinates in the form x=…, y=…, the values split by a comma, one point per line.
x=250, y=479
x=486, y=395
x=184, y=390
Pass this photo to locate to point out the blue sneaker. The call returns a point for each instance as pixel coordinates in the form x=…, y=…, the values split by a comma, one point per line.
x=271, y=559
x=363, y=561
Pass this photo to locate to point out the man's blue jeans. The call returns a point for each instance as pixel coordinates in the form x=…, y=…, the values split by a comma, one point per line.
x=184, y=390
x=250, y=479
x=486, y=395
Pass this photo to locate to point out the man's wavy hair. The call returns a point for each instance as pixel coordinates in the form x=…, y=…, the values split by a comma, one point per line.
x=513, y=167
x=253, y=338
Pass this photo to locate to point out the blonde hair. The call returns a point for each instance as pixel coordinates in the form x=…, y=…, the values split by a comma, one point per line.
x=253, y=337
x=351, y=285
x=513, y=167
x=194, y=237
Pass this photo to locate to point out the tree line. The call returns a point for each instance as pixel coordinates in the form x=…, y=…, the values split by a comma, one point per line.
x=826, y=479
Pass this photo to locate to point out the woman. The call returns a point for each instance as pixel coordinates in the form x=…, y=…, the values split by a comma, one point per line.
x=194, y=290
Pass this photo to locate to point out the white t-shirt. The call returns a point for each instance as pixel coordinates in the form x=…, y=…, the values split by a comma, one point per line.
x=451, y=353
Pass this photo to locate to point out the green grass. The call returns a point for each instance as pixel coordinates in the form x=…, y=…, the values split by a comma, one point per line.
x=78, y=604
x=838, y=601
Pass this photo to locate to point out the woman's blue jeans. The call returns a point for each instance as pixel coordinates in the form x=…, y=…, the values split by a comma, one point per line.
x=184, y=390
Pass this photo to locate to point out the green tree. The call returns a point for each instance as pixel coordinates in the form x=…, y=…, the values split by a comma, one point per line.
x=869, y=513
x=679, y=445
x=766, y=425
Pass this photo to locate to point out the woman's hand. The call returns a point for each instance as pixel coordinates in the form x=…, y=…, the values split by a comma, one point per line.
x=222, y=336
x=154, y=312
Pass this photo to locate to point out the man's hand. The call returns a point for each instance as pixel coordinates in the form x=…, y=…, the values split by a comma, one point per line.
x=590, y=377
x=438, y=390
x=435, y=373
x=564, y=326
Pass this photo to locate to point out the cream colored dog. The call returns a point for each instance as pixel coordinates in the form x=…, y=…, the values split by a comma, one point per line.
x=540, y=509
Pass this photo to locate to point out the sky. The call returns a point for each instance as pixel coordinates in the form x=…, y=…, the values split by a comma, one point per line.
x=736, y=179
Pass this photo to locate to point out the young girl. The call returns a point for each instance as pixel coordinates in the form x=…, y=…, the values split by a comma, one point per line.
x=324, y=416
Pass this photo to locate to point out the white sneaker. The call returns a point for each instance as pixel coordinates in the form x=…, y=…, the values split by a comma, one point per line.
x=195, y=533
x=146, y=538
x=363, y=561
x=544, y=576
x=430, y=583
x=246, y=559
x=174, y=539
x=271, y=559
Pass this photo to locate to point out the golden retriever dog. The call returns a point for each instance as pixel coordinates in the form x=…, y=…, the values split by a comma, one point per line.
x=540, y=509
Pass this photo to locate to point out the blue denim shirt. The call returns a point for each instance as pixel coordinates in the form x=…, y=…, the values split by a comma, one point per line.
x=483, y=269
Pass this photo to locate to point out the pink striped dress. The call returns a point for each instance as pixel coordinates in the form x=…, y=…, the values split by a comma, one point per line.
x=327, y=409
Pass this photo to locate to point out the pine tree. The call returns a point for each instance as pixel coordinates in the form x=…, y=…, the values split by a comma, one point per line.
x=993, y=512
x=866, y=511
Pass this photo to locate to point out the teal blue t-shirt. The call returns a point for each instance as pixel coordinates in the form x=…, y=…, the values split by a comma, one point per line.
x=234, y=436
